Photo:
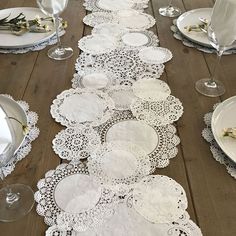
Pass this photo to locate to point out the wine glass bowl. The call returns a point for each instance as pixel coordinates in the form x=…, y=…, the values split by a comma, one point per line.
x=54, y=8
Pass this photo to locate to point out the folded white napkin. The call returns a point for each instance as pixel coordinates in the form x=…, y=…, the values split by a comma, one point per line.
x=223, y=21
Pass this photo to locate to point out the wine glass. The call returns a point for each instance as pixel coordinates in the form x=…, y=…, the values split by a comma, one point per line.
x=54, y=8
x=16, y=200
x=221, y=34
x=170, y=10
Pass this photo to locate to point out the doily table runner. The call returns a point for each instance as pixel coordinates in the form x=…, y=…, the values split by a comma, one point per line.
x=216, y=151
x=32, y=134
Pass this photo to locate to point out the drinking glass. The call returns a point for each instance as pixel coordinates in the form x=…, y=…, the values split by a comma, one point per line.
x=212, y=87
x=170, y=10
x=54, y=8
x=16, y=200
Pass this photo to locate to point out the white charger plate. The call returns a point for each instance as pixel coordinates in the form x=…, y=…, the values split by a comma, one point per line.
x=9, y=40
x=224, y=117
x=192, y=18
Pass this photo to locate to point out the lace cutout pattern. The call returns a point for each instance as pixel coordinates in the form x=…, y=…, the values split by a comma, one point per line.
x=158, y=112
x=25, y=148
x=76, y=143
x=164, y=141
x=216, y=151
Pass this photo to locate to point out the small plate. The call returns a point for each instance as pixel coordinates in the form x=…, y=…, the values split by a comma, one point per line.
x=9, y=40
x=224, y=117
x=192, y=18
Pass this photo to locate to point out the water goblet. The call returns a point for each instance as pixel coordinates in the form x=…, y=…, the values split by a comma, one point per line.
x=16, y=200
x=170, y=10
x=54, y=8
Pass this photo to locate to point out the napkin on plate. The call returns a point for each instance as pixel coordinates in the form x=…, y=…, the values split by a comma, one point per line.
x=223, y=21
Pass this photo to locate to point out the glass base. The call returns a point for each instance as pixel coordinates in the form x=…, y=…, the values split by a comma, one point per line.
x=210, y=89
x=21, y=204
x=169, y=11
x=60, y=53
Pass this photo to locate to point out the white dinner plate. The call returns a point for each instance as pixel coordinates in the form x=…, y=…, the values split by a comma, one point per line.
x=192, y=18
x=223, y=117
x=9, y=40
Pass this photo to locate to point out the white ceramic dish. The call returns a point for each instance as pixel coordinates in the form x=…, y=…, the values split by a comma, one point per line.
x=223, y=117
x=192, y=18
x=9, y=40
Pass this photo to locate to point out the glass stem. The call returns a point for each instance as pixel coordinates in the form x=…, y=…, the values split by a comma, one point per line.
x=57, y=26
x=170, y=3
x=11, y=197
x=214, y=74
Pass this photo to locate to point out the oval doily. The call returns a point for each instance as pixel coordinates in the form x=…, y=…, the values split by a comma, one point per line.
x=113, y=5
x=97, y=18
x=136, y=39
x=158, y=112
x=75, y=143
x=158, y=142
x=134, y=20
x=69, y=197
x=159, y=199
x=155, y=55
x=93, y=79
x=125, y=64
x=118, y=163
x=75, y=106
x=113, y=30
x=97, y=44
x=122, y=96
x=32, y=134
x=151, y=89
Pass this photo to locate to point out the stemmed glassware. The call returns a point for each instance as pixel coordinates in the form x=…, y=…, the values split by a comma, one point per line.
x=221, y=34
x=54, y=8
x=170, y=10
x=16, y=200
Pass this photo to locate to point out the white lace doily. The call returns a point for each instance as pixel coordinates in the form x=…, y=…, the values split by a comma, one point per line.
x=25, y=148
x=96, y=18
x=158, y=112
x=134, y=20
x=151, y=89
x=122, y=96
x=71, y=198
x=177, y=35
x=216, y=151
x=126, y=221
x=155, y=55
x=75, y=143
x=113, y=5
x=136, y=39
x=37, y=47
x=159, y=199
x=93, y=78
x=158, y=142
x=97, y=44
x=118, y=163
x=125, y=64
x=75, y=106
x=113, y=30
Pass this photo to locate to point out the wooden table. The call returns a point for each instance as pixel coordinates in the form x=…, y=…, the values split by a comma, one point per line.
x=35, y=78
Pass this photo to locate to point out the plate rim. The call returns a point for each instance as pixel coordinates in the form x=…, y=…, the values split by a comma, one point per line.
x=214, y=130
x=29, y=44
x=187, y=36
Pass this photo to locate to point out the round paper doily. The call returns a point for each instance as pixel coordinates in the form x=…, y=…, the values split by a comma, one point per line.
x=158, y=112
x=118, y=163
x=159, y=199
x=155, y=55
x=151, y=89
x=96, y=18
x=159, y=143
x=71, y=198
x=75, y=143
x=93, y=79
x=75, y=106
